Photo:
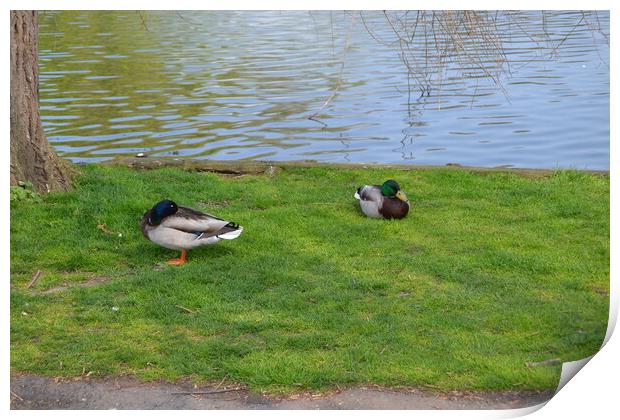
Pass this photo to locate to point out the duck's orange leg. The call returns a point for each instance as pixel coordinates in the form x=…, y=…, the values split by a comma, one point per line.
x=179, y=261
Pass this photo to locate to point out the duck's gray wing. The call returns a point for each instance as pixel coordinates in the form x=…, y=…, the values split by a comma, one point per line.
x=371, y=200
x=194, y=221
x=369, y=193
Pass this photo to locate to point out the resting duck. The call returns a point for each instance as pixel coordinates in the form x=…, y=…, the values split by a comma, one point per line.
x=182, y=228
x=383, y=201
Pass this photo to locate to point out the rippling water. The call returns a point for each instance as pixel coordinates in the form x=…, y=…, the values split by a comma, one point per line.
x=241, y=85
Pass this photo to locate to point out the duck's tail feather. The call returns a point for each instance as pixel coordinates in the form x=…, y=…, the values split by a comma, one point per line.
x=230, y=231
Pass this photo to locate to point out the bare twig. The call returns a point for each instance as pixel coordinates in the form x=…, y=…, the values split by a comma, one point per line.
x=215, y=391
x=311, y=118
x=143, y=20
x=221, y=382
x=185, y=309
x=600, y=31
x=567, y=36
x=17, y=396
x=34, y=279
x=339, y=81
x=372, y=35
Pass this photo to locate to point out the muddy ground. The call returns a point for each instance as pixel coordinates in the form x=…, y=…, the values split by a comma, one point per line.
x=41, y=393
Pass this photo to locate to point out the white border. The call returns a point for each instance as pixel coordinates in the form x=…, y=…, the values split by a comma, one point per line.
x=594, y=391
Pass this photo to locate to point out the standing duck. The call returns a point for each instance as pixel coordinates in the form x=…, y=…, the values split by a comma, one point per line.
x=383, y=201
x=182, y=228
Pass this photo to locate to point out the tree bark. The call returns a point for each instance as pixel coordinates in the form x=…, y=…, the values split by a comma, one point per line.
x=32, y=157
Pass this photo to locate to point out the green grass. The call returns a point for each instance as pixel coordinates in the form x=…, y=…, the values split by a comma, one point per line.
x=488, y=271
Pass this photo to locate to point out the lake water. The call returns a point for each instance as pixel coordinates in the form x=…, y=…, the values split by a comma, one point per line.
x=241, y=85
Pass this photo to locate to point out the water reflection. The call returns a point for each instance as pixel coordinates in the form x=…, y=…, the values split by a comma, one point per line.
x=241, y=85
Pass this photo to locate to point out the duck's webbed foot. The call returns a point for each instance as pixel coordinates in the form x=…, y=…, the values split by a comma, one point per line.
x=180, y=260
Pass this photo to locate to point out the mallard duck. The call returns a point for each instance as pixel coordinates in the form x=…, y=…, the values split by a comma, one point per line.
x=182, y=228
x=383, y=201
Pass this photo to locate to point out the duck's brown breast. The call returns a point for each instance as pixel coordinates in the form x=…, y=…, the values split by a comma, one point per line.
x=393, y=208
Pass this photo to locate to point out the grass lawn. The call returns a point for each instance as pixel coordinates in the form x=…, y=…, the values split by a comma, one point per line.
x=489, y=271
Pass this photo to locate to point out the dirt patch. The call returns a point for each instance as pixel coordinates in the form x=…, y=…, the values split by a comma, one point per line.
x=40, y=393
x=600, y=290
x=94, y=281
x=218, y=204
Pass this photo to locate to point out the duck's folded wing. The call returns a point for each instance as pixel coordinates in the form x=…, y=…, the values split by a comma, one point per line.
x=369, y=193
x=190, y=220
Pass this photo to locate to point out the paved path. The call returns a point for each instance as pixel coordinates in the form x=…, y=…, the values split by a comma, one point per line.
x=35, y=392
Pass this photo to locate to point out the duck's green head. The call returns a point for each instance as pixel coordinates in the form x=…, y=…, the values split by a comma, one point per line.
x=162, y=210
x=390, y=188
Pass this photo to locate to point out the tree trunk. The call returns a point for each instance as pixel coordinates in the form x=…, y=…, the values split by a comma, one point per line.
x=32, y=157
